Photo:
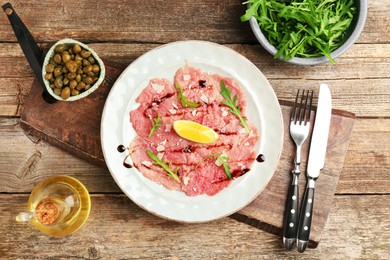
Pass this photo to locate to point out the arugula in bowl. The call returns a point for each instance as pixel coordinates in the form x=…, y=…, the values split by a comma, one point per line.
x=302, y=28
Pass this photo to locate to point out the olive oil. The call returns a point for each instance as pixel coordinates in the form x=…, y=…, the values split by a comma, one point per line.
x=59, y=205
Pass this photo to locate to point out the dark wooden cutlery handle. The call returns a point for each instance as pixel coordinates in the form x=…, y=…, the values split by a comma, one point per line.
x=305, y=217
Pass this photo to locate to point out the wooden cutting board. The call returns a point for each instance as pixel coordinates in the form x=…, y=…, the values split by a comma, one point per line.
x=75, y=128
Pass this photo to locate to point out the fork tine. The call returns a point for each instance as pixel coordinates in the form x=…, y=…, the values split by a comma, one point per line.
x=293, y=114
x=309, y=112
x=302, y=108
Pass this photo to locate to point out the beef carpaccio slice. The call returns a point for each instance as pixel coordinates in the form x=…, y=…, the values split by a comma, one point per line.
x=198, y=167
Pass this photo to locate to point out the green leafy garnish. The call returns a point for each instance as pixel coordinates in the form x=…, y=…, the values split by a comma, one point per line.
x=232, y=104
x=302, y=28
x=156, y=123
x=222, y=158
x=214, y=155
x=225, y=165
x=163, y=165
x=183, y=99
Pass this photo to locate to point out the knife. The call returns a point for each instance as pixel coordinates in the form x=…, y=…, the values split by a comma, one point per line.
x=316, y=162
x=29, y=46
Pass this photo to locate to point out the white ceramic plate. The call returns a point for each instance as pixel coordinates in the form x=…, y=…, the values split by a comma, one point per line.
x=263, y=109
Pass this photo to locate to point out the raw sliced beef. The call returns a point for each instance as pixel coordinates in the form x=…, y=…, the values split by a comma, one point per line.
x=197, y=165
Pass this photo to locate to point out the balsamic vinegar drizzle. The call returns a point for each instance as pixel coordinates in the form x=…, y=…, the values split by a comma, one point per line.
x=260, y=158
x=235, y=174
x=202, y=83
x=157, y=102
x=127, y=165
x=188, y=149
x=121, y=148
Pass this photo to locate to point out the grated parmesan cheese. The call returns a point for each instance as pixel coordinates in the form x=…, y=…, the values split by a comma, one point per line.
x=147, y=163
x=204, y=98
x=172, y=111
x=160, y=148
x=158, y=88
x=242, y=131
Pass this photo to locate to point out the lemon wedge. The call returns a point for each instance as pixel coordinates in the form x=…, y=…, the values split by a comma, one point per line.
x=195, y=132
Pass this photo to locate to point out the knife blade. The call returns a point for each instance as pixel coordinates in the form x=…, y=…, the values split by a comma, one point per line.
x=316, y=163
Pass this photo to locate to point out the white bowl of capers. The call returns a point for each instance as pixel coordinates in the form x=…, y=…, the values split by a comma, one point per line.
x=71, y=70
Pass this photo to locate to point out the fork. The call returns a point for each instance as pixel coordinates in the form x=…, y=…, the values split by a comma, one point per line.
x=299, y=130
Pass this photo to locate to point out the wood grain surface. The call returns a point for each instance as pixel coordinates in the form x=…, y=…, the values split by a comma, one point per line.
x=358, y=223
x=79, y=134
x=72, y=126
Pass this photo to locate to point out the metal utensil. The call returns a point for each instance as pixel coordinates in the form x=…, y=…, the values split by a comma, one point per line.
x=299, y=130
x=315, y=163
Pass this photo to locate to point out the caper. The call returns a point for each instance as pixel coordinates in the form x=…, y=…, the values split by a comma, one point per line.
x=88, y=69
x=65, y=56
x=65, y=70
x=60, y=48
x=57, y=58
x=71, y=70
x=88, y=80
x=71, y=75
x=57, y=71
x=73, y=84
x=78, y=57
x=80, y=85
x=74, y=92
x=58, y=82
x=86, y=63
x=78, y=78
x=65, y=93
x=57, y=91
x=85, y=54
x=49, y=68
x=49, y=76
x=76, y=48
x=65, y=81
x=91, y=59
x=71, y=66
x=96, y=68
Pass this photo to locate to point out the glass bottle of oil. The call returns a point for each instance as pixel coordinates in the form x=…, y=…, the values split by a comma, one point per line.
x=58, y=205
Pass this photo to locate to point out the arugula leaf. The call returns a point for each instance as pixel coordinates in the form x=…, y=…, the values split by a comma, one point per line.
x=156, y=123
x=222, y=158
x=163, y=164
x=206, y=158
x=183, y=99
x=232, y=104
x=225, y=165
x=302, y=28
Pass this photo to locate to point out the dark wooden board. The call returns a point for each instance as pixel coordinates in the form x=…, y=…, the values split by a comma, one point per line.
x=267, y=210
x=75, y=127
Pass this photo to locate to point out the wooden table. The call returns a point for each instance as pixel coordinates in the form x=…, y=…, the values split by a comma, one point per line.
x=358, y=225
